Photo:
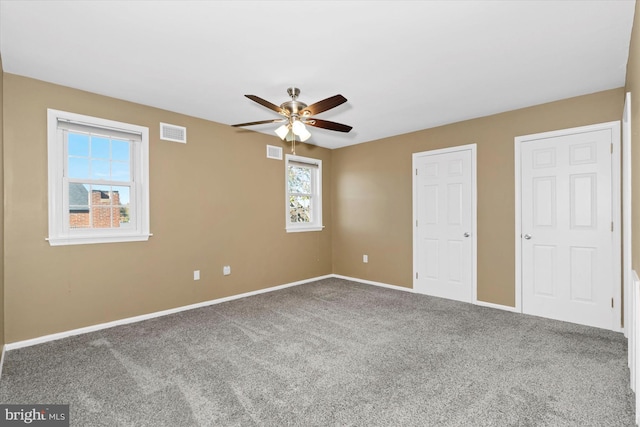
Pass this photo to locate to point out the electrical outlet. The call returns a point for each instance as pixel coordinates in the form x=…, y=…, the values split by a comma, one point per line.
x=226, y=270
x=365, y=258
x=196, y=274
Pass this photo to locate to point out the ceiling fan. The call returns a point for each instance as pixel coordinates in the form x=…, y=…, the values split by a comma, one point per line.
x=298, y=114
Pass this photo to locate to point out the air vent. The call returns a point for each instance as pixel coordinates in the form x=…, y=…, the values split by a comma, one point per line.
x=173, y=133
x=274, y=152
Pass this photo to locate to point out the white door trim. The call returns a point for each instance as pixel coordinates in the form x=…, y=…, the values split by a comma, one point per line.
x=627, y=278
x=474, y=211
x=615, y=208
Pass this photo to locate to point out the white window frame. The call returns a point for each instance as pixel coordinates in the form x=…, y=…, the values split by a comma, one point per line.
x=59, y=231
x=316, y=195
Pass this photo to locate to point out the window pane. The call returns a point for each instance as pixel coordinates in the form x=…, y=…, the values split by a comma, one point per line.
x=100, y=195
x=78, y=194
x=78, y=167
x=101, y=217
x=120, y=171
x=299, y=180
x=98, y=206
x=103, y=213
x=79, y=216
x=120, y=150
x=300, y=208
x=100, y=169
x=78, y=144
x=121, y=197
x=99, y=147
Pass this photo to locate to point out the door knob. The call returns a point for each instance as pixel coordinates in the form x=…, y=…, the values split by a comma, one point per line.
x=466, y=234
x=527, y=236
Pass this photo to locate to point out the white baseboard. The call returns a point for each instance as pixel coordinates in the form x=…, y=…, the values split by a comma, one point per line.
x=497, y=306
x=134, y=319
x=4, y=347
x=402, y=288
x=369, y=282
x=125, y=321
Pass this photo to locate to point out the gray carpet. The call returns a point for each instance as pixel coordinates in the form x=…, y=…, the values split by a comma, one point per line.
x=332, y=353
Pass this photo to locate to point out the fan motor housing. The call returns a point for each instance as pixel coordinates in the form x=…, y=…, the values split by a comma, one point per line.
x=293, y=106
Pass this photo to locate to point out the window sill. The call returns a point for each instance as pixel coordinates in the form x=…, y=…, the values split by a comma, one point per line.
x=87, y=240
x=302, y=229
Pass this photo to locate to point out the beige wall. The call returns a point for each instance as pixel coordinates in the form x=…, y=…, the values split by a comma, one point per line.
x=215, y=201
x=633, y=86
x=372, y=190
x=218, y=201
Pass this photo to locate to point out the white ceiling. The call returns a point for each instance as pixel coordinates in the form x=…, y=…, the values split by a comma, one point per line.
x=402, y=65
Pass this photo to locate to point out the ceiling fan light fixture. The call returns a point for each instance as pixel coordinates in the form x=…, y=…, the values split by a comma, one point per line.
x=282, y=131
x=290, y=137
x=304, y=135
x=299, y=129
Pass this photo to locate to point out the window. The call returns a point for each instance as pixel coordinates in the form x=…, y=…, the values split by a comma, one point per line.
x=304, y=194
x=98, y=180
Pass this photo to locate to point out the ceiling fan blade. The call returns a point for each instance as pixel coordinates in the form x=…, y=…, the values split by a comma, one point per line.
x=261, y=122
x=324, y=105
x=325, y=124
x=267, y=104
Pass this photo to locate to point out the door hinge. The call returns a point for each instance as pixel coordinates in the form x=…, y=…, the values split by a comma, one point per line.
x=612, y=148
x=416, y=274
x=611, y=302
x=416, y=222
x=416, y=171
x=612, y=226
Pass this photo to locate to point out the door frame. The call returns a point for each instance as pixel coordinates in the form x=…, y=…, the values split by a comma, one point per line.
x=627, y=277
x=616, y=278
x=474, y=211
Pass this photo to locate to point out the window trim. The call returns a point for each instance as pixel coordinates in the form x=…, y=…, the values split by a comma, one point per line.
x=59, y=233
x=316, y=198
